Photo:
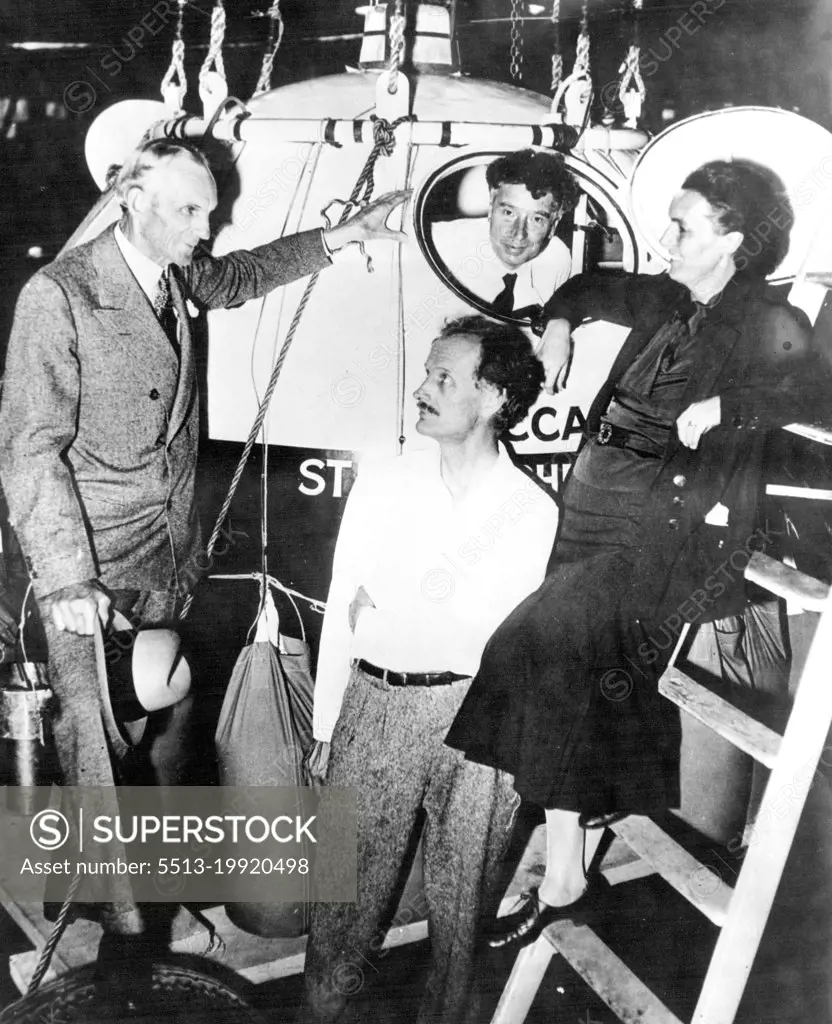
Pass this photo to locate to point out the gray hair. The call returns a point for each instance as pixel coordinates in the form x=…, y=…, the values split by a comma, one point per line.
x=143, y=159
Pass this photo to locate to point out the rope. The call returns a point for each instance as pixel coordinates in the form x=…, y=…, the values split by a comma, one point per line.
x=314, y=603
x=557, y=57
x=21, y=626
x=255, y=430
x=384, y=144
x=174, y=84
x=401, y=330
x=397, y=27
x=632, y=90
x=58, y=929
x=264, y=82
x=213, y=59
x=575, y=91
x=582, y=47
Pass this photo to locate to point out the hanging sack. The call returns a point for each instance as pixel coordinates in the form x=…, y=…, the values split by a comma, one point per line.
x=263, y=734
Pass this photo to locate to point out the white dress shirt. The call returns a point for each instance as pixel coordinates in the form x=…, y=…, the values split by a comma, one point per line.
x=442, y=574
x=145, y=271
x=465, y=248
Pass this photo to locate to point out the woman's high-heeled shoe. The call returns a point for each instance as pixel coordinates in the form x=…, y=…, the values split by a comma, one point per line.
x=523, y=927
x=587, y=820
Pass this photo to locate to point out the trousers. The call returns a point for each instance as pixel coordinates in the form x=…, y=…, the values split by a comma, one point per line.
x=84, y=756
x=389, y=745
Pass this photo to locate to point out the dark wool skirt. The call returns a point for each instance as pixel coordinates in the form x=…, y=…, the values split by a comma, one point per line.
x=563, y=701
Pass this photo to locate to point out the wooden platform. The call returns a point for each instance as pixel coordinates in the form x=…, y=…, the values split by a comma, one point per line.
x=256, y=958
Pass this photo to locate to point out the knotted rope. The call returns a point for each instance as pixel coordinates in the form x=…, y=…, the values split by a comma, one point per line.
x=396, y=37
x=632, y=90
x=557, y=57
x=576, y=90
x=174, y=84
x=213, y=58
x=264, y=82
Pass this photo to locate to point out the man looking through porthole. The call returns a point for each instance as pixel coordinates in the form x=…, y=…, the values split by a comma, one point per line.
x=513, y=260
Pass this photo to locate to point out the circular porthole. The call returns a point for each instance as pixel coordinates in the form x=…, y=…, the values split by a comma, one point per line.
x=453, y=226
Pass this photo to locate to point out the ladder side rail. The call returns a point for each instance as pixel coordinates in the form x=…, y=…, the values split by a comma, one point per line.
x=772, y=836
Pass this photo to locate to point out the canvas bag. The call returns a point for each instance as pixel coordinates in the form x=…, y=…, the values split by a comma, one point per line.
x=263, y=734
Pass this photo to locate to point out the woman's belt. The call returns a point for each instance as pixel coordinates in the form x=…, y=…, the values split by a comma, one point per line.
x=620, y=437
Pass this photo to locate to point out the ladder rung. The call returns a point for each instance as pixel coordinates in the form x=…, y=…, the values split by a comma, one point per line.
x=788, y=491
x=688, y=876
x=787, y=582
x=720, y=715
x=819, y=434
x=628, y=997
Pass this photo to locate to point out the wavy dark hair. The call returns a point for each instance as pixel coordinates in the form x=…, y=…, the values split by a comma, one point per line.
x=540, y=172
x=749, y=198
x=507, y=361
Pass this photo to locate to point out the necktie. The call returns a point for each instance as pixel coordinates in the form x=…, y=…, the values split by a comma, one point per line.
x=504, y=302
x=684, y=326
x=164, y=309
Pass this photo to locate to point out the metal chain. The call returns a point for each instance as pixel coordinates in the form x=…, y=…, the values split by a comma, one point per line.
x=557, y=57
x=174, y=84
x=516, y=39
x=264, y=82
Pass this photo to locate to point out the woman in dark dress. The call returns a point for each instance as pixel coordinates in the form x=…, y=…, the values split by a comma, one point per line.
x=659, y=517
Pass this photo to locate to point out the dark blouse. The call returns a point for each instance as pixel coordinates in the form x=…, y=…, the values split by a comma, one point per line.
x=646, y=403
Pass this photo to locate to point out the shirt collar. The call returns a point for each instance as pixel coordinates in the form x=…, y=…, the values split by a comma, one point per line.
x=144, y=269
x=526, y=271
x=491, y=479
x=729, y=305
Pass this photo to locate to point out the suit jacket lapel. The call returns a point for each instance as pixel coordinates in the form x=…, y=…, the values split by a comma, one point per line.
x=126, y=307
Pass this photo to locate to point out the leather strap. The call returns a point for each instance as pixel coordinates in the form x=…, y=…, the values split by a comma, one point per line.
x=409, y=678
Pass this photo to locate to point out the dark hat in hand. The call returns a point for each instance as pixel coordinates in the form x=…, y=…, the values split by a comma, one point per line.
x=139, y=670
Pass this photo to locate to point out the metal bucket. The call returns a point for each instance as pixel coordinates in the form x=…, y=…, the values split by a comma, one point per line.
x=24, y=738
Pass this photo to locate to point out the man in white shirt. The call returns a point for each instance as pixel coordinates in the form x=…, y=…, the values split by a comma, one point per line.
x=513, y=262
x=435, y=549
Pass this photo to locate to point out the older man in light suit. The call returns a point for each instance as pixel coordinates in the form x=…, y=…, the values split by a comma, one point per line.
x=99, y=426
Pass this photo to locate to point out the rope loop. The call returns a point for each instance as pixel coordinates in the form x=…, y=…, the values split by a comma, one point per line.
x=632, y=91
x=264, y=82
x=213, y=59
x=174, y=85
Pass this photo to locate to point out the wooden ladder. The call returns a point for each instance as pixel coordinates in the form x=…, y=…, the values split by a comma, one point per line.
x=741, y=912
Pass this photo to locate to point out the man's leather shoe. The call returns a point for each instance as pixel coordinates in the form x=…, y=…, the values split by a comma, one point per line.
x=525, y=925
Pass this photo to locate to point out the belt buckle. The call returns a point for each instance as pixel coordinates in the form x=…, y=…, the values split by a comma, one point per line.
x=605, y=433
